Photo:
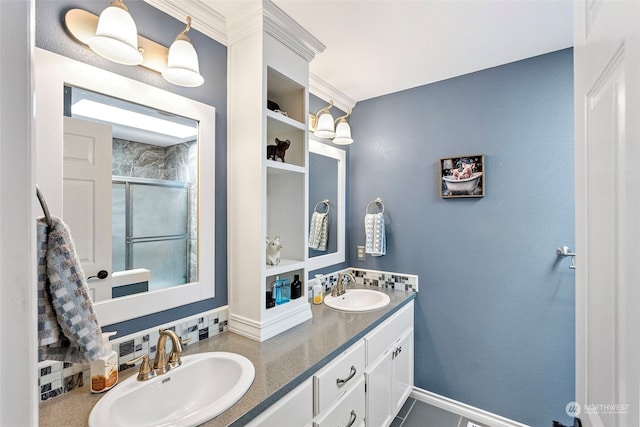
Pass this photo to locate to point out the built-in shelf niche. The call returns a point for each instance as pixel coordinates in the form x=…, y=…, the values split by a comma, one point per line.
x=288, y=94
x=290, y=275
x=284, y=128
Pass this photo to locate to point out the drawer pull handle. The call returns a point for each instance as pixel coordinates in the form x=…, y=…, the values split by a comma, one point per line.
x=341, y=381
x=352, y=418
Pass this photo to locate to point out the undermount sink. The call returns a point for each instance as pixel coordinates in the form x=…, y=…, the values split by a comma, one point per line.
x=205, y=385
x=358, y=300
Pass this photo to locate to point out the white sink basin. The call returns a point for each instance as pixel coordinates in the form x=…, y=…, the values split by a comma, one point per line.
x=204, y=386
x=358, y=300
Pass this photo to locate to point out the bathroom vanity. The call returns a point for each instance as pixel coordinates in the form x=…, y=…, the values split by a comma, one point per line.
x=291, y=362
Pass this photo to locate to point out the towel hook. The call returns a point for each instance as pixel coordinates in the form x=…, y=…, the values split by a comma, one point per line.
x=43, y=204
x=377, y=201
x=323, y=202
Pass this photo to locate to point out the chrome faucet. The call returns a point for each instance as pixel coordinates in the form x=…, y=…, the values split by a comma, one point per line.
x=160, y=364
x=339, y=289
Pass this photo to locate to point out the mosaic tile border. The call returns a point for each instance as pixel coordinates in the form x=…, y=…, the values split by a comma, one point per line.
x=383, y=279
x=57, y=378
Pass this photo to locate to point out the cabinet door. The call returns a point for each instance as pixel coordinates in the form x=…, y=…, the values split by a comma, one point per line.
x=347, y=411
x=378, y=396
x=293, y=410
x=402, y=371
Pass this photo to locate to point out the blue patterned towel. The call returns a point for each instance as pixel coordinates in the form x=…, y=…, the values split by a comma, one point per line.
x=375, y=239
x=68, y=293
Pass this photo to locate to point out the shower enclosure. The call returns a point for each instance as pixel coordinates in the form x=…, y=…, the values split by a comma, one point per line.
x=151, y=229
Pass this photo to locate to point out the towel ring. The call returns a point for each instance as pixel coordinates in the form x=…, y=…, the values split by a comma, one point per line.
x=377, y=201
x=324, y=202
x=43, y=204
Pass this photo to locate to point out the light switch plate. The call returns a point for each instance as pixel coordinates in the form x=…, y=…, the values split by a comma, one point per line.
x=360, y=253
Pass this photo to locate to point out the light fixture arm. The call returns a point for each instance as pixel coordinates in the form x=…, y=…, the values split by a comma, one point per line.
x=343, y=117
x=183, y=34
x=120, y=4
x=325, y=109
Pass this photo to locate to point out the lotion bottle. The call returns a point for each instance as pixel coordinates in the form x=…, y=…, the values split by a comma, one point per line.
x=104, y=370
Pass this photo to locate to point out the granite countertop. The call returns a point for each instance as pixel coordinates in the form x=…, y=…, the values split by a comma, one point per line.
x=281, y=363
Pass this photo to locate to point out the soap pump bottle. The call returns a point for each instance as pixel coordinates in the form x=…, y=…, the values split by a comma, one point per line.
x=104, y=370
x=318, y=294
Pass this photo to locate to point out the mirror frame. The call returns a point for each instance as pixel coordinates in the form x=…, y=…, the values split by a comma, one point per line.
x=52, y=72
x=320, y=261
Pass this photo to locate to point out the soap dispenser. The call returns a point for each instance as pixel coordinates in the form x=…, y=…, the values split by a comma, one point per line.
x=104, y=370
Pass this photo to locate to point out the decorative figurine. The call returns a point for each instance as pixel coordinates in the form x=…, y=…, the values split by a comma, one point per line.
x=277, y=151
x=273, y=250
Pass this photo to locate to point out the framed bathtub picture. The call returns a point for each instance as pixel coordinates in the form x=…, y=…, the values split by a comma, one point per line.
x=462, y=176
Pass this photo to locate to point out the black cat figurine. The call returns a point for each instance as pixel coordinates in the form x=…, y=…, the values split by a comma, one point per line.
x=277, y=151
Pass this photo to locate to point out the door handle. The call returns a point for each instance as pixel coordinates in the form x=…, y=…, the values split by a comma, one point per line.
x=102, y=274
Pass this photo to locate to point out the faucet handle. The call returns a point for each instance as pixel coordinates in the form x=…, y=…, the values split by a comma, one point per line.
x=174, y=357
x=145, y=372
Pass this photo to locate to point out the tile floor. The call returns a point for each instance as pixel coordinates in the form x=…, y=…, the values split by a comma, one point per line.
x=415, y=413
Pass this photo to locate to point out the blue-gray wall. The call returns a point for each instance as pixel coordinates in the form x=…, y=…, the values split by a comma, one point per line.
x=160, y=27
x=495, y=311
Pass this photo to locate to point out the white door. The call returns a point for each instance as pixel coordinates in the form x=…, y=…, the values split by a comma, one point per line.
x=379, y=397
x=402, y=371
x=87, y=198
x=607, y=122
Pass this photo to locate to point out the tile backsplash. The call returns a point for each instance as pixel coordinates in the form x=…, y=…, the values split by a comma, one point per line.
x=383, y=279
x=57, y=378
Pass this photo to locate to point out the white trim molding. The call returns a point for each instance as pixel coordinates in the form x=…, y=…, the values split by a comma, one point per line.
x=326, y=92
x=468, y=411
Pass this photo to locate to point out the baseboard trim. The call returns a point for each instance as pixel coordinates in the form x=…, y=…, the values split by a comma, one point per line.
x=468, y=411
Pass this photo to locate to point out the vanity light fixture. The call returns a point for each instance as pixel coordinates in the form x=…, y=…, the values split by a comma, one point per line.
x=343, y=131
x=182, y=61
x=324, y=123
x=116, y=36
x=323, y=126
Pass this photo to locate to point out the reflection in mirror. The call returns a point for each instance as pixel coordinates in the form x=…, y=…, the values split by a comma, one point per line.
x=327, y=168
x=151, y=165
x=53, y=155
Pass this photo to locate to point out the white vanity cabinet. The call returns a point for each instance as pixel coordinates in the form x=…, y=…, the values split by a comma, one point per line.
x=293, y=410
x=389, y=372
x=365, y=385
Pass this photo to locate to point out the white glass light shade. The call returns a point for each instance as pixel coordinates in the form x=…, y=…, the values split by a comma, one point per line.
x=324, y=127
x=343, y=133
x=116, y=37
x=182, y=65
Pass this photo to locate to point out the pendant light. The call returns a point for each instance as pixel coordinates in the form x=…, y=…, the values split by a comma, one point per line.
x=182, y=61
x=116, y=35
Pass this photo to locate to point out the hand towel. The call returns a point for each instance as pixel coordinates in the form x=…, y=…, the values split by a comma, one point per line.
x=319, y=231
x=48, y=329
x=375, y=240
x=81, y=337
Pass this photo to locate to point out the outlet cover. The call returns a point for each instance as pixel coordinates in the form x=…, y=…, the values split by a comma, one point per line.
x=360, y=253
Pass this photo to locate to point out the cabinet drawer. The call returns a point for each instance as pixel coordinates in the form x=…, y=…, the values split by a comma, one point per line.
x=388, y=332
x=295, y=409
x=347, y=411
x=335, y=378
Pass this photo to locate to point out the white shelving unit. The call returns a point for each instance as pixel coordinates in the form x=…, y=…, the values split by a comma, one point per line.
x=267, y=198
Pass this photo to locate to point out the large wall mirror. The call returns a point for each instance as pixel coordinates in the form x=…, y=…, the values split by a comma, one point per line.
x=139, y=200
x=327, y=171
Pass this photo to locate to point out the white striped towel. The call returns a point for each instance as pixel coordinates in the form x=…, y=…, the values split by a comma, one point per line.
x=80, y=340
x=375, y=243
x=319, y=231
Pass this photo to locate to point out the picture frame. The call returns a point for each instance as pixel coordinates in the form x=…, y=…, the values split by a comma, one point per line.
x=462, y=176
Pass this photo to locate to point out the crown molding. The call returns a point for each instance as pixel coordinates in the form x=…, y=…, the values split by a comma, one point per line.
x=326, y=92
x=289, y=32
x=243, y=22
x=204, y=18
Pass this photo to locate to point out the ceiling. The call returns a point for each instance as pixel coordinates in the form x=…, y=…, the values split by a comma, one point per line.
x=376, y=47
